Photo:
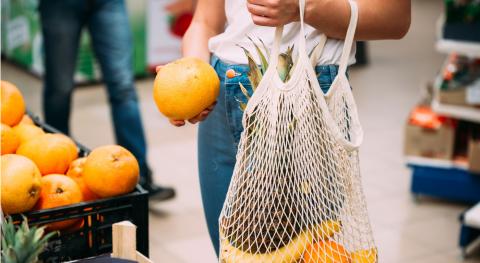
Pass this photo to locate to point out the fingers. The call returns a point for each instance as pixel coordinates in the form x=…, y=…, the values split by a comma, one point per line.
x=265, y=21
x=203, y=115
x=259, y=10
x=200, y=117
x=177, y=123
x=212, y=106
x=264, y=13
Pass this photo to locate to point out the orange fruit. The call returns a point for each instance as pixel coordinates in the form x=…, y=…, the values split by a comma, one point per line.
x=12, y=104
x=75, y=171
x=59, y=190
x=110, y=171
x=27, y=132
x=185, y=87
x=10, y=140
x=52, y=153
x=326, y=252
x=20, y=184
x=26, y=120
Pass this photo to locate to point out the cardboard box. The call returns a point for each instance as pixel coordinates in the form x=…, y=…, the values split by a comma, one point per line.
x=454, y=96
x=432, y=143
x=474, y=156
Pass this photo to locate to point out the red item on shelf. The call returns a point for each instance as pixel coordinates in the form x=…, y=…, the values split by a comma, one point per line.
x=424, y=117
x=181, y=24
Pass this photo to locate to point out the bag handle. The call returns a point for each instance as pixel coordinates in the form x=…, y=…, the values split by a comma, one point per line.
x=349, y=38
x=275, y=51
x=347, y=46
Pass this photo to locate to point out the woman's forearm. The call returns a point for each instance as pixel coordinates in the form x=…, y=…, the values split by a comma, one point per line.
x=378, y=19
x=195, y=42
x=208, y=21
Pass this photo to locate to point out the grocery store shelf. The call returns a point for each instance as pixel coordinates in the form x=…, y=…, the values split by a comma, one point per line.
x=460, y=112
x=447, y=183
x=471, y=49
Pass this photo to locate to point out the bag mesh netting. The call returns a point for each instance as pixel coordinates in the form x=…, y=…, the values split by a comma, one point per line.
x=296, y=193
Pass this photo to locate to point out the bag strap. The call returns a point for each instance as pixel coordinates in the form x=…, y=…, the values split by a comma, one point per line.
x=275, y=51
x=349, y=39
x=347, y=46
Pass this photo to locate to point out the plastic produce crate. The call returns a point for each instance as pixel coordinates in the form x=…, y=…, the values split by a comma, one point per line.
x=92, y=235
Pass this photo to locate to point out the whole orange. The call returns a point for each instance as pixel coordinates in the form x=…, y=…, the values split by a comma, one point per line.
x=20, y=184
x=26, y=120
x=52, y=153
x=110, y=171
x=27, y=132
x=75, y=171
x=185, y=87
x=12, y=104
x=327, y=251
x=10, y=140
x=59, y=190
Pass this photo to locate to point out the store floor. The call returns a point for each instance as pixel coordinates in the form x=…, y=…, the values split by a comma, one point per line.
x=405, y=231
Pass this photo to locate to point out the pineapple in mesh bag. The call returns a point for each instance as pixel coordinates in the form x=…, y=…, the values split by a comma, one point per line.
x=296, y=195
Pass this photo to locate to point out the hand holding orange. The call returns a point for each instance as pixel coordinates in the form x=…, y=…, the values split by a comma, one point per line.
x=186, y=89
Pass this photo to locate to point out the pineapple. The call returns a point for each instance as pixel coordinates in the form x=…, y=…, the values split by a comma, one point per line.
x=22, y=244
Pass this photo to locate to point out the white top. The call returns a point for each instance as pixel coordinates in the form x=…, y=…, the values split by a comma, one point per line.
x=240, y=25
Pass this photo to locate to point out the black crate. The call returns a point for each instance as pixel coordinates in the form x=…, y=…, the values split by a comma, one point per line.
x=95, y=236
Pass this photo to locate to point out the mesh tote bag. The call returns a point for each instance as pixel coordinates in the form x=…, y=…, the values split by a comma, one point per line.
x=296, y=194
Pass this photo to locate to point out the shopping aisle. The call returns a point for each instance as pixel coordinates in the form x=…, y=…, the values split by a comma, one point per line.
x=405, y=231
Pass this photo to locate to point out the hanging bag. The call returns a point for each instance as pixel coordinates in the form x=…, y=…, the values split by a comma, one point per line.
x=296, y=194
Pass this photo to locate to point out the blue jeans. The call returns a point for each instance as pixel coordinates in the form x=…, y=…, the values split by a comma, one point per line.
x=219, y=134
x=107, y=22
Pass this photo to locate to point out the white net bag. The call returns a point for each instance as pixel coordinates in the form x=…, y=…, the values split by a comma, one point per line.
x=296, y=194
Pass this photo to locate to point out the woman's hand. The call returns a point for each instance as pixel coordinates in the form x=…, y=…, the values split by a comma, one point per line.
x=273, y=12
x=200, y=117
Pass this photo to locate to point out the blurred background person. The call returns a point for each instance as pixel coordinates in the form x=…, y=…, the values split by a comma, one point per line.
x=107, y=22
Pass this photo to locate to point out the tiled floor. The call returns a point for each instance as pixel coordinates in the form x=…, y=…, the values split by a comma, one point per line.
x=405, y=231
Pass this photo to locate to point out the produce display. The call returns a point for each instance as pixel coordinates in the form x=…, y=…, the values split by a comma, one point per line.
x=42, y=170
x=185, y=87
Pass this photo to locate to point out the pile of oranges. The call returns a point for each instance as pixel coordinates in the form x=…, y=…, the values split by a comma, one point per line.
x=43, y=170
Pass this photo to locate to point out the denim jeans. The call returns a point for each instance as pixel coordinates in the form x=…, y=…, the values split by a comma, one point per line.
x=107, y=22
x=219, y=134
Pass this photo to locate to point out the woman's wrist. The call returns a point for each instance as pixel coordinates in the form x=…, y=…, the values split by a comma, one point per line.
x=328, y=16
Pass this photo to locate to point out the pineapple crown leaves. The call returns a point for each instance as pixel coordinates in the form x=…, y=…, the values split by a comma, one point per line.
x=285, y=66
x=22, y=244
x=255, y=74
x=263, y=60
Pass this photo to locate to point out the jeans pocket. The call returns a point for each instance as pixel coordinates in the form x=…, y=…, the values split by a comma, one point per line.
x=236, y=101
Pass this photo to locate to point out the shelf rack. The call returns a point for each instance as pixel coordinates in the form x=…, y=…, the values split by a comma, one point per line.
x=443, y=179
x=447, y=46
